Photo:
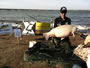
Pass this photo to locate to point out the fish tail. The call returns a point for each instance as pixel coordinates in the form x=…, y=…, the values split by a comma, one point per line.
x=46, y=35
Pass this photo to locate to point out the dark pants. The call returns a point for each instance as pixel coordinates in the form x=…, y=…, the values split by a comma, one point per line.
x=64, y=44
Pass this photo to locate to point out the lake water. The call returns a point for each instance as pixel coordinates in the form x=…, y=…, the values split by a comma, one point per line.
x=81, y=18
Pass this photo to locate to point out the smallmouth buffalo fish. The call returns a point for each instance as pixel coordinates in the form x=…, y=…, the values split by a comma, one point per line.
x=61, y=31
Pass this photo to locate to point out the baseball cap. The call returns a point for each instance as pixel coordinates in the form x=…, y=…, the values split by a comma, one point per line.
x=63, y=10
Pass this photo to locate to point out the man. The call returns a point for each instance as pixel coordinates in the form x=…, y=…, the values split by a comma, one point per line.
x=62, y=20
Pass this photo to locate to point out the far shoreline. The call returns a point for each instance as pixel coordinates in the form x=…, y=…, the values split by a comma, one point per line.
x=43, y=9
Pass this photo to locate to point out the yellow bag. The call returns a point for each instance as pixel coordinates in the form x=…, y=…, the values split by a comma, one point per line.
x=42, y=27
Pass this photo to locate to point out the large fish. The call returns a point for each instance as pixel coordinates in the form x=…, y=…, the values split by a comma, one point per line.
x=87, y=40
x=61, y=31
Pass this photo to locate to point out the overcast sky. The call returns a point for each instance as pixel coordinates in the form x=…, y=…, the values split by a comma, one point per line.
x=45, y=4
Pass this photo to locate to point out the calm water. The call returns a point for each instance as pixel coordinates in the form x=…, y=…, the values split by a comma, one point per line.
x=77, y=17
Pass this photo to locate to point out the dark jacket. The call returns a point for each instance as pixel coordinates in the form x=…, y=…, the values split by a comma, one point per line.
x=58, y=21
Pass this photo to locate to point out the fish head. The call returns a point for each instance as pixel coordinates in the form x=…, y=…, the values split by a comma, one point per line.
x=74, y=29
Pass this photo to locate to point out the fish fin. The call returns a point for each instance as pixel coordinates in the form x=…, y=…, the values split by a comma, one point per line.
x=46, y=35
x=62, y=38
x=73, y=34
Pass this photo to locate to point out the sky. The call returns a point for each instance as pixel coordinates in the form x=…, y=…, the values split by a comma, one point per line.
x=45, y=4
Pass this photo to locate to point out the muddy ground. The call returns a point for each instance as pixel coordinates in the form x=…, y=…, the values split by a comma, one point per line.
x=12, y=51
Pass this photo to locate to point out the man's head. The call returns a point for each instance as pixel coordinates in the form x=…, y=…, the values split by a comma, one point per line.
x=63, y=12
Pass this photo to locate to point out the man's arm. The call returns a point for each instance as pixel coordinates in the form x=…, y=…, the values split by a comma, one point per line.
x=69, y=21
x=55, y=23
